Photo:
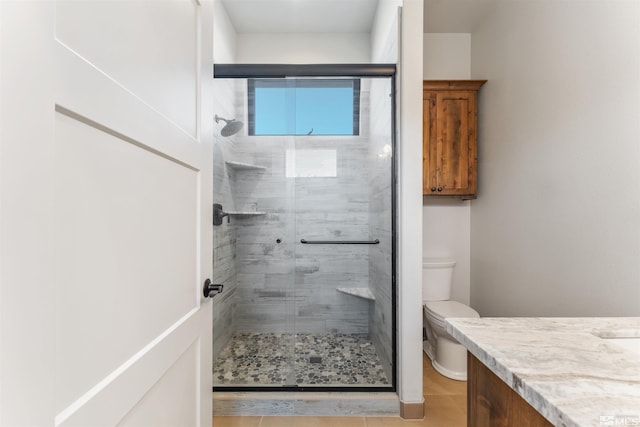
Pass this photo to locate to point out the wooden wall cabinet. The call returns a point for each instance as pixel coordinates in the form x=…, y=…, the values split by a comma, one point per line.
x=449, y=140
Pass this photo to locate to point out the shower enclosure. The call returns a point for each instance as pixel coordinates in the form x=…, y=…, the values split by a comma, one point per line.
x=304, y=228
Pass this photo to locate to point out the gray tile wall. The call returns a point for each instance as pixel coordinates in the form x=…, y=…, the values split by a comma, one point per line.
x=224, y=239
x=265, y=267
x=380, y=214
x=287, y=284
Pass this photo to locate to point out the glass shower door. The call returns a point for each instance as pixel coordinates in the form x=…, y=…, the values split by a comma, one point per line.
x=343, y=165
x=253, y=252
x=305, y=250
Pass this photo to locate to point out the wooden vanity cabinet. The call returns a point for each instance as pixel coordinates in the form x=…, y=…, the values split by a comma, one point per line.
x=492, y=403
x=449, y=140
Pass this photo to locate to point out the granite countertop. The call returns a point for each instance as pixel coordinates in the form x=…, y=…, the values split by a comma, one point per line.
x=562, y=366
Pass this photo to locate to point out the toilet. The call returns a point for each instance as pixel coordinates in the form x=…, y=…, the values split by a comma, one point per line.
x=447, y=355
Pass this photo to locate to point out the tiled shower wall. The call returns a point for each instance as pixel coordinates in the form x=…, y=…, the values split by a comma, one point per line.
x=291, y=286
x=380, y=214
x=265, y=267
x=224, y=240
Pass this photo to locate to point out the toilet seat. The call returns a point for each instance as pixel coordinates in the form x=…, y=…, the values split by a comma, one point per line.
x=441, y=310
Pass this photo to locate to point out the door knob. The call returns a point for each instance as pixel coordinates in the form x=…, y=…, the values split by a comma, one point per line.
x=209, y=290
x=439, y=188
x=433, y=188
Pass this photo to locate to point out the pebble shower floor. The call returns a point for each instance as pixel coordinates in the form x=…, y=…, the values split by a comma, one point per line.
x=257, y=359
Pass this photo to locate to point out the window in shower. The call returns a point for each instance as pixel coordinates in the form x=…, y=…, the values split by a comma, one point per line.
x=304, y=106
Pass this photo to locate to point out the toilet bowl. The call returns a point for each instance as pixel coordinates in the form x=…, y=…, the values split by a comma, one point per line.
x=447, y=355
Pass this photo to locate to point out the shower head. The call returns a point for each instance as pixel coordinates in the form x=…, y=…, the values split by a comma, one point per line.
x=231, y=127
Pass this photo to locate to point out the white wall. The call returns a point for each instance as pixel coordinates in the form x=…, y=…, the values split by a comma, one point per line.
x=410, y=202
x=446, y=233
x=303, y=48
x=386, y=48
x=447, y=56
x=556, y=226
x=384, y=29
x=224, y=36
x=446, y=222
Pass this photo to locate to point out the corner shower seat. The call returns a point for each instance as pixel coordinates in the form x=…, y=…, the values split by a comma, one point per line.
x=364, y=293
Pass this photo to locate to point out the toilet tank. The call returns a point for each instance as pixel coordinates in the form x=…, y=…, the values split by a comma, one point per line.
x=436, y=278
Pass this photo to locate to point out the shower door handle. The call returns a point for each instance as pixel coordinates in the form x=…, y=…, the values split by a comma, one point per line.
x=339, y=242
x=209, y=290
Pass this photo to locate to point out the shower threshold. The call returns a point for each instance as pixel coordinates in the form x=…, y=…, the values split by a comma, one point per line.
x=363, y=404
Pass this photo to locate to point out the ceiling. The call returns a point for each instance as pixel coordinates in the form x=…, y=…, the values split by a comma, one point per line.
x=301, y=16
x=346, y=16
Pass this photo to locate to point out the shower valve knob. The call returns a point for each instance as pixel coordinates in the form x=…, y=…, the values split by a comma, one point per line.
x=209, y=290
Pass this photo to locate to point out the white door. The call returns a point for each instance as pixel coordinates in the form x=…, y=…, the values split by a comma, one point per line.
x=105, y=212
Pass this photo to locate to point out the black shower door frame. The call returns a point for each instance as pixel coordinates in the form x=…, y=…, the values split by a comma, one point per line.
x=281, y=71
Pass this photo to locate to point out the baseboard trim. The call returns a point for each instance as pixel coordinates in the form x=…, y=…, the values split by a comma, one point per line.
x=412, y=411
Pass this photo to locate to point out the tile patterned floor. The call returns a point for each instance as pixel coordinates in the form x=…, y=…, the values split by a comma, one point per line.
x=331, y=359
x=445, y=406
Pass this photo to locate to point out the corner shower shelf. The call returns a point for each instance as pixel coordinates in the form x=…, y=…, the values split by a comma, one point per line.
x=244, y=166
x=364, y=293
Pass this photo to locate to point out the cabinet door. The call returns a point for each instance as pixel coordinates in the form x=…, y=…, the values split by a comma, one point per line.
x=455, y=147
x=492, y=403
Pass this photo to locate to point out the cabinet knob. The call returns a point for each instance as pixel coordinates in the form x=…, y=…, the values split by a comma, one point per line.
x=439, y=188
x=433, y=188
